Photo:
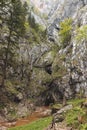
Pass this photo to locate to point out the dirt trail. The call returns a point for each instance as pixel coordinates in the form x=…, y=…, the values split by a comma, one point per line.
x=39, y=113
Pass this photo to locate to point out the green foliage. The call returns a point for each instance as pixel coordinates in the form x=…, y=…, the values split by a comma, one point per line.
x=65, y=32
x=59, y=70
x=34, y=38
x=37, y=125
x=71, y=117
x=12, y=114
x=17, y=19
x=76, y=102
x=31, y=21
x=83, y=127
x=56, y=106
x=12, y=29
x=81, y=34
x=10, y=88
x=37, y=31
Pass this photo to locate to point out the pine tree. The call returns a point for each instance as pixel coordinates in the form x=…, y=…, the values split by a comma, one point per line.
x=12, y=18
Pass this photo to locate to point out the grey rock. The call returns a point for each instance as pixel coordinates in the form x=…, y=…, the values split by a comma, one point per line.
x=3, y=128
x=64, y=109
x=19, y=96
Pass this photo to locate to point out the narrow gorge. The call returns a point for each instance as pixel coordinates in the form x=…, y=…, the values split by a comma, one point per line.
x=43, y=63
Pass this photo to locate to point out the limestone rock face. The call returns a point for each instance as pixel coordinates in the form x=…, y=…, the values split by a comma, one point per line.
x=63, y=9
x=79, y=53
x=70, y=73
x=64, y=71
x=59, y=72
x=74, y=81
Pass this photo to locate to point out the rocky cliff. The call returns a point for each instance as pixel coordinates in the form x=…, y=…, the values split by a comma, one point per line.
x=50, y=70
x=65, y=69
x=63, y=9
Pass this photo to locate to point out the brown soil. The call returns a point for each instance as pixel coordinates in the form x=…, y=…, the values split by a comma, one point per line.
x=23, y=121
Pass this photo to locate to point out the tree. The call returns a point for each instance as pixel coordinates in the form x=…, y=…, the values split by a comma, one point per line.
x=13, y=17
x=65, y=32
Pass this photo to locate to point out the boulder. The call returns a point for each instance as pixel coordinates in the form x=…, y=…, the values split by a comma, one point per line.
x=22, y=110
x=19, y=96
x=46, y=113
x=58, y=116
x=64, y=109
x=3, y=128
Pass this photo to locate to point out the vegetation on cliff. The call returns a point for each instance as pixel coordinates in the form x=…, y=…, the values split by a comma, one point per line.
x=35, y=70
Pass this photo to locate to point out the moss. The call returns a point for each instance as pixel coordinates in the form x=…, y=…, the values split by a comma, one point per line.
x=47, y=79
x=57, y=106
x=10, y=88
x=39, y=78
x=63, y=57
x=60, y=73
x=58, y=68
x=42, y=75
x=47, y=58
x=55, y=49
x=16, y=82
x=12, y=114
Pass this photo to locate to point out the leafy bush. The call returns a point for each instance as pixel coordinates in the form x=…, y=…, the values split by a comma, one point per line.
x=76, y=102
x=72, y=116
x=83, y=127
x=81, y=34
x=10, y=88
x=77, y=117
x=65, y=32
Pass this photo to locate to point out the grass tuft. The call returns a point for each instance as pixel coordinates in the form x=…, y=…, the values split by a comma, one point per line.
x=36, y=125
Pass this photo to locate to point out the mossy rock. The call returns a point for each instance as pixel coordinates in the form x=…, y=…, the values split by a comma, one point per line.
x=12, y=115
x=56, y=107
x=58, y=68
x=10, y=88
x=47, y=58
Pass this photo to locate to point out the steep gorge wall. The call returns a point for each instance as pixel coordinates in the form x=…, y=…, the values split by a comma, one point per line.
x=63, y=9
x=56, y=71
x=69, y=67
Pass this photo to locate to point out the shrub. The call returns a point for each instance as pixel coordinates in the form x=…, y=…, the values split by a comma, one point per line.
x=83, y=127
x=65, y=32
x=77, y=117
x=81, y=34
